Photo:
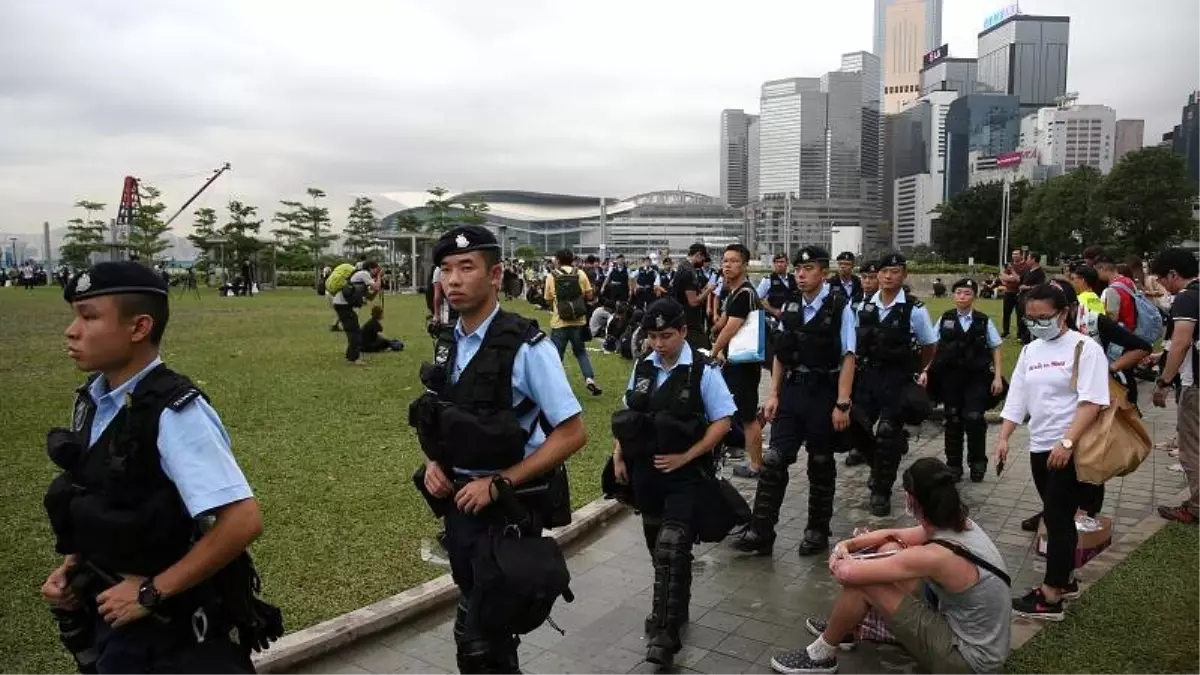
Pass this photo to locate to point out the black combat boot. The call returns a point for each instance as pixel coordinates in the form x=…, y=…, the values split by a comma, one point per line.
x=954, y=443
x=759, y=537
x=672, y=592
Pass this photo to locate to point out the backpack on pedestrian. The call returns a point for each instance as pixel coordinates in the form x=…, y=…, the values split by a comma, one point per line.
x=568, y=295
x=1148, y=323
x=338, y=278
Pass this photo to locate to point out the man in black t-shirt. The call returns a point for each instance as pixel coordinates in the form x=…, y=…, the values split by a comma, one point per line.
x=1033, y=276
x=742, y=378
x=1176, y=269
x=691, y=291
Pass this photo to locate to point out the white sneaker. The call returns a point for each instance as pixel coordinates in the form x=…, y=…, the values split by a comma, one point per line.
x=1176, y=467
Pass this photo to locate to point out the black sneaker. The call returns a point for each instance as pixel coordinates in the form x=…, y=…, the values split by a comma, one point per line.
x=881, y=505
x=978, y=471
x=1071, y=592
x=816, y=628
x=596, y=391
x=798, y=661
x=854, y=458
x=753, y=542
x=814, y=542
x=1030, y=524
x=1034, y=605
x=957, y=471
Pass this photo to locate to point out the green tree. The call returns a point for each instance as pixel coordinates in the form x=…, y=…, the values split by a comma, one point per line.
x=305, y=232
x=84, y=236
x=242, y=232
x=147, y=229
x=1064, y=214
x=968, y=224
x=361, y=227
x=204, y=230
x=407, y=222
x=1148, y=199
x=442, y=213
x=527, y=252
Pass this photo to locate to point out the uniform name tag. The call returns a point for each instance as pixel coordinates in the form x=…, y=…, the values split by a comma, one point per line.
x=79, y=415
x=948, y=323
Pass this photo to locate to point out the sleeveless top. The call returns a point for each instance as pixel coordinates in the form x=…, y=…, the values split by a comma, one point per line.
x=981, y=616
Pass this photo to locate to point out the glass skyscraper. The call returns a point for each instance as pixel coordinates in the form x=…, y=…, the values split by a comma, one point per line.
x=989, y=124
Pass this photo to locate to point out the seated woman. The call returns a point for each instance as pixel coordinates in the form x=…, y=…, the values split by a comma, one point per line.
x=372, y=338
x=941, y=587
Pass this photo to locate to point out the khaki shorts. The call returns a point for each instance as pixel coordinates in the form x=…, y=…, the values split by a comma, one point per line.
x=924, y=632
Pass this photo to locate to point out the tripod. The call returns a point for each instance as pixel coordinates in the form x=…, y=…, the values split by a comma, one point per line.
x=189, y=283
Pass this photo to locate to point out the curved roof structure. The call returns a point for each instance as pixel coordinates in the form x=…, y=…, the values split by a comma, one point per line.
x=674, y=198
x=518, y=204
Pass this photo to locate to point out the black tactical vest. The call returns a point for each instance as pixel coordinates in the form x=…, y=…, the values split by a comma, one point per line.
x=618, y=277
x=476, y=426
x=959, y=349
x=672, y=414
x=667, y=277
x=645, y=277
x=780, y=289
x=816, y=345
x=113, y=504
x=889, y=342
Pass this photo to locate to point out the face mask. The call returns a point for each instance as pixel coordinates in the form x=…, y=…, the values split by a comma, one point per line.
x=1044, y=329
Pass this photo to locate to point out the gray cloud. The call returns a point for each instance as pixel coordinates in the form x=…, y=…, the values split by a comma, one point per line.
x=607, y=98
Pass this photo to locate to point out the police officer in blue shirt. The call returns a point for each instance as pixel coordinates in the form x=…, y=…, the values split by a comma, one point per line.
x=812, y=379
x=895, y=342
x=966, y=372
x=845, y=280
x=498, y=409
x=145, y=584
x=645, y=284
x=677, y=409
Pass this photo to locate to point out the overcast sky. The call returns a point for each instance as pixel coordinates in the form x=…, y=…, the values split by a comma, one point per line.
x=608, y=97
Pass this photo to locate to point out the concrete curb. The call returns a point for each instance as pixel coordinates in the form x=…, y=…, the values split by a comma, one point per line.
x=327, y=636
x=1023, y=630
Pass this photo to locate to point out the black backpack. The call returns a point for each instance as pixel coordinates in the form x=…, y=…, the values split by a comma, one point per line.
x=568, y=295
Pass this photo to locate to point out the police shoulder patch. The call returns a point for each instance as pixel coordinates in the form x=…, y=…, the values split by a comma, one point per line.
x=183, y=399
x=534, y=337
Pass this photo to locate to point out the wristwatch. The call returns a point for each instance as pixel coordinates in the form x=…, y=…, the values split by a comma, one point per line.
x=148, y=595
x=844, y=406
x=1067, y=444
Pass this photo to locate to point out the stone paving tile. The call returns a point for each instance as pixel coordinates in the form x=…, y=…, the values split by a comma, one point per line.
x=746, y=608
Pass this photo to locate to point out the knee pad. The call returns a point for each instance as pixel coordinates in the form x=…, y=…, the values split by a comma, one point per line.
x=888, y=430
x=953, y=417
x=974, y=419
x=773, y=458
x=672, y=541
x=773, y=475
x=821, y=466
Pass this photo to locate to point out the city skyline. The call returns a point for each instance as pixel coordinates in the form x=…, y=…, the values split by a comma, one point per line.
x=507, y=98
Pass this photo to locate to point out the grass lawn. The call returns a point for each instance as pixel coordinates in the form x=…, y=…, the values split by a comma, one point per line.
x=325, y=446
x=1118, y=627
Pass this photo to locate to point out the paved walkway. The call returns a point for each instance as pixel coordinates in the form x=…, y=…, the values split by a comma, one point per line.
x=745, y=609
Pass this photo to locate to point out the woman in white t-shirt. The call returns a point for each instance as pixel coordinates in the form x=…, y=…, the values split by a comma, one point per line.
x=1058, y=412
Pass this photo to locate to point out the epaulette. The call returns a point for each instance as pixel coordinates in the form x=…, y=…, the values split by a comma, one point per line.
x=184, y=398
x=533, y=334
x=917, y=303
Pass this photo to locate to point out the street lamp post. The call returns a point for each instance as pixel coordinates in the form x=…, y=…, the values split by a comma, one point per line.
x=12, y=241
x=503, y=228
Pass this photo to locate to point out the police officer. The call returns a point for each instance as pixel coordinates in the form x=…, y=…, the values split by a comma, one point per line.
x=505, y=414
x=777, y=288
x=967, y=370
x=151, y=512
x=666, y=275
x=889, y=325
x=616, y=284
x=868, y=275
x=677, y=410
x=812, y=379
x=646, y=283
x=845, y=280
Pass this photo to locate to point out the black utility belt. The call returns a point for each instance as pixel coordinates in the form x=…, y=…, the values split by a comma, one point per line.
x=531, y=489
x=810, y=376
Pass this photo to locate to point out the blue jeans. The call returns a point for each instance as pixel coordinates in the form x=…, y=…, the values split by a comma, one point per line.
x=574, y=335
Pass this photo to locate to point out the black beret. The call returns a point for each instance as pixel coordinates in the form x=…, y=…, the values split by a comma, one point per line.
x=845, y=255
x=464, y=239
x=869, y=268
x=111, y=278
x=893, y=260
x=663, y=314
x=965, y=283
x=811, y=254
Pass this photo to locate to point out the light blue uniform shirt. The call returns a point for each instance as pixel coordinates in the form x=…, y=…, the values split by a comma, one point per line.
x=918, y=320
x=537, y=375
x=993, y=335
x=718, y=402
x=193, y=446
x=764, y=286
x=848, y=334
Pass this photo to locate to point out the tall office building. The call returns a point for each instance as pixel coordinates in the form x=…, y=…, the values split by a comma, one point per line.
x=1026, y=57
x=871, y=161
x=1130, y=137
x=735, y=157
x=1185, y=138
x=752, y=158
x=1070, y=136
x=918, y=180
x=816, y=169
x=986, y=124
x=905, y=30
x=951, y=74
